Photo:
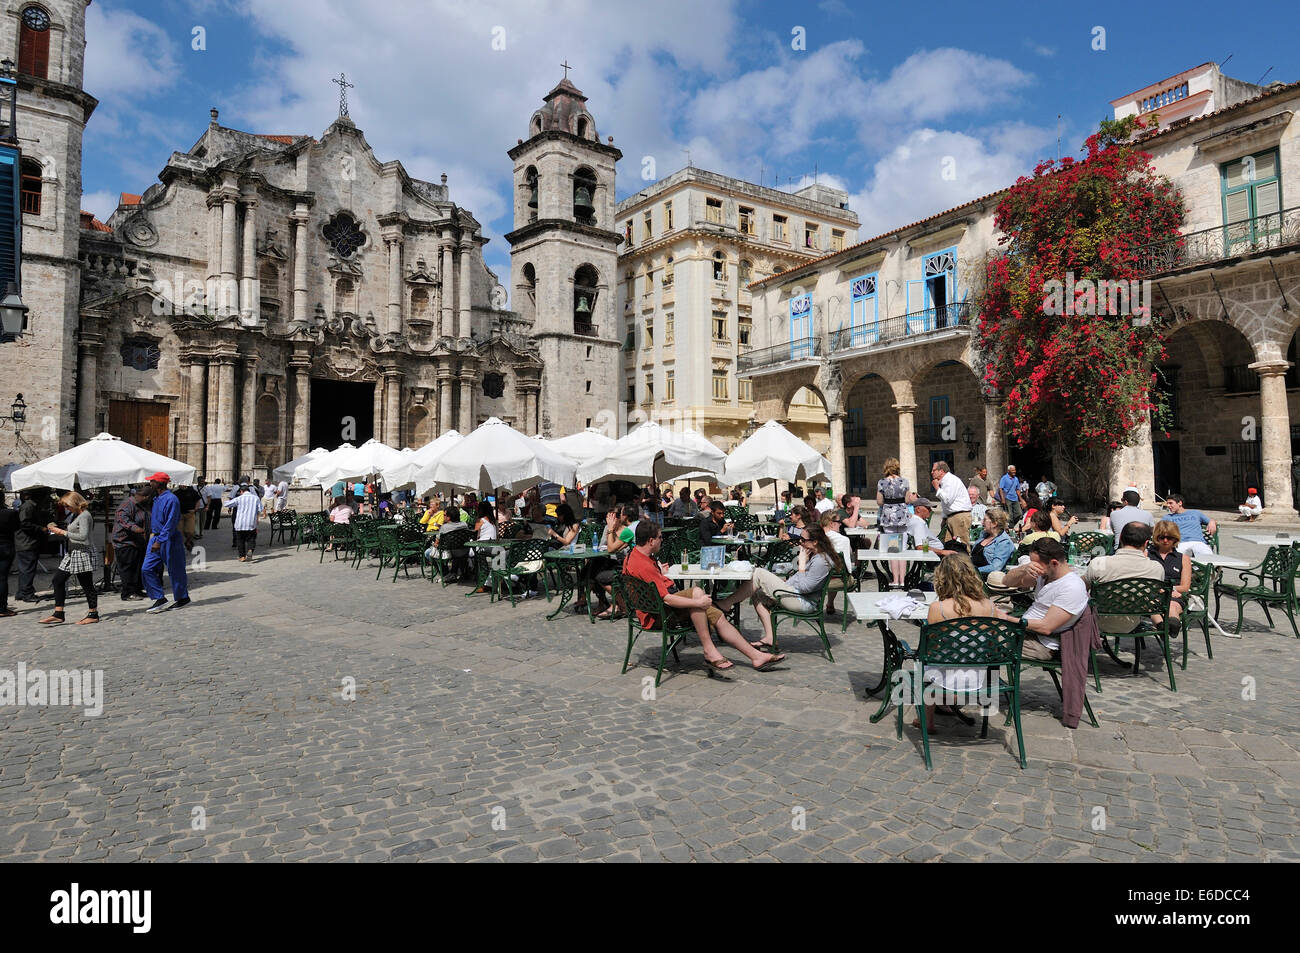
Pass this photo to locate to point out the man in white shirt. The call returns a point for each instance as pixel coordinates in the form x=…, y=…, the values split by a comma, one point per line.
x=247, y=508
x=977, y=509
x=269, y=493
x=827, y=502
x=955, y=500
x=1060, y=597
x=281, y=495
x=918, y=528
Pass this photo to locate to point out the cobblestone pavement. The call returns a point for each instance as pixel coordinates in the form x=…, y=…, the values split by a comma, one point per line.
x=484, y=732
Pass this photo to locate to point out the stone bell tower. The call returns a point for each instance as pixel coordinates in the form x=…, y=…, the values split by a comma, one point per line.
x=564, y=257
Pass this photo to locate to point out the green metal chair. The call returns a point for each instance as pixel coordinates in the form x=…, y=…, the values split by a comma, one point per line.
x=976, y=642
x=337, y=537
x=1135, y=598
x=671, y=550
x=781, y=551
x=1275, y=584
x=443, y=548
x=1202, y=580
x=847, y=583
x=814, y=618
x=1212, y=539
x=1053, y=667
x=1091, y=544
x=524, y=558
x=400, y=548
x=643, y=597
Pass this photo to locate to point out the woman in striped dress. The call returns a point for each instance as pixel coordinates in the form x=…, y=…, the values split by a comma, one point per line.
x=79, y=560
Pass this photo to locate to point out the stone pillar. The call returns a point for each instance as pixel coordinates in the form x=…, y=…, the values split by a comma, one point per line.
x=299, y=220
x=300, y=369
x=463, y=297
x=196, y=426
x=1275, y=436
x=445, y=423
x=394, y=245
x=228, y=296
x=530, y=412
x=446, y=275
x=214, y=241
x=377, y=413
x=1133, y=467
x=995, y=439
x=466, y=404
x=249, y=295
x=393, y=407
x=228, y=406
x=839, y=463
x=248, y=417
x=906, y=406
x=88, y=385
x=213, y=405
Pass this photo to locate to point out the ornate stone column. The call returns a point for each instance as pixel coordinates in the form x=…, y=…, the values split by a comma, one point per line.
x=299, y=223
x=228, y=295
x=995, y=438
x=1275, y=436
x=447, y=276
x=377, y=413
x=248, y=416
x=393, y=407
x=196, y=419
x=300, y=370
x=214, y=242
x=88, y=384
x=445, y=423
x=228, y=403
x=530, y=411
x=906, y=406
x=463, y=296
x=1134, y=467
x=839, y=463
x=212, y=408
x=466, y=402
x=393, y=243
x=249, y=295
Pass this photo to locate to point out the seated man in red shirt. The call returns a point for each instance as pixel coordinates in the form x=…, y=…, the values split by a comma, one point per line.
x=693, y=603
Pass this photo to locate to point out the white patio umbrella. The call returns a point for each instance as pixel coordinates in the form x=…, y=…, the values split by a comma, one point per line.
x=652, y=452
x=400, y=475
x=289, y=471
x=102, y=461
x=351, y=463
x=496, y=455
x=772, y=454
x=590, y=444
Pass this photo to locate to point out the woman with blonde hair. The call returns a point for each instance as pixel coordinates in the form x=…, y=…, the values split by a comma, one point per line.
x=79, y=560
x=959, y=594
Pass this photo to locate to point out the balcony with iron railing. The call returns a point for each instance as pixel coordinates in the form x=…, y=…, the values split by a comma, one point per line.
x=901, y=329
x=762, y=358
x=1262, y=233
x=1241, y=379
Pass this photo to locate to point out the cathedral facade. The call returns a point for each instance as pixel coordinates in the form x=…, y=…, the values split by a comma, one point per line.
x=275, y=293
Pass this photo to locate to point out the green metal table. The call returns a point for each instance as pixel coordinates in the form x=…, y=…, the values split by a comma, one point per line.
x=569, y=577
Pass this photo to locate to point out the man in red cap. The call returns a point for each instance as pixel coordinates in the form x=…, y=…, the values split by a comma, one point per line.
x=166, y=547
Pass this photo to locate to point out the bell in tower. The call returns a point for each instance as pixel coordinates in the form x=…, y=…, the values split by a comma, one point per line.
x=584, y=190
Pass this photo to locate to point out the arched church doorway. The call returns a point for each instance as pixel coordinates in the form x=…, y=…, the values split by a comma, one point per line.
x=341, y=412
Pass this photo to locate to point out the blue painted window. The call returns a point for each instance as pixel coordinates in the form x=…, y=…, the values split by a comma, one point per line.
x=864, y=311
x=931, y=299
x=1252, y=199
x=801, y=344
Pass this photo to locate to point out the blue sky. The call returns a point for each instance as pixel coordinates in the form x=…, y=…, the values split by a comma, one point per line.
x=876, y=101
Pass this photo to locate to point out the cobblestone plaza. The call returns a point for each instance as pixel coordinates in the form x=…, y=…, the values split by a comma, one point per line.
x=481, y=732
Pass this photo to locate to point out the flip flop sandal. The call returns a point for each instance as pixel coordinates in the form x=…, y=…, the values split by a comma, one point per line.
x=719, y=664
x=767, y=666
x=762, y=646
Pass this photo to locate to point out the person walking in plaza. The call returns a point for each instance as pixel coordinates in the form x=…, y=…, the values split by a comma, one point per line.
x=28, y=539
x=269, y=495
x=166, y=548
x=8, y=527
x=211, y=496
x=282, y=495
x=1008, y=495
x=247, y=508
x=79, y=561
x=130, y=538
x=954, y=500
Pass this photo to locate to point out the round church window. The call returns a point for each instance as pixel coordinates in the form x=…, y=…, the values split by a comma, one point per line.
x=344, y=235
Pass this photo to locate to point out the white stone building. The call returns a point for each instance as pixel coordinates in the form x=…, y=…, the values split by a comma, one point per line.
x=882, y=332
x=692, y=244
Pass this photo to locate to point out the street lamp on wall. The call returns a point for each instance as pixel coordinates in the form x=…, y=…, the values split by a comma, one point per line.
x=968, y=438
x=13, y=313
x=17, y=414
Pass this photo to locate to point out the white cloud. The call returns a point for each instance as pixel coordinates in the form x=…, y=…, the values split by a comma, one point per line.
x=935, y=84
x=126, y=55
x=933, y=170
x=102, y=203
x=1039, y=49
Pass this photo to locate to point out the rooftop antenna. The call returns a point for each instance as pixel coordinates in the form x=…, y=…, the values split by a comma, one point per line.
x=1261, y=79
x=760, y=173
x=1058, y=137
x=1221, y=65
x=688, y=157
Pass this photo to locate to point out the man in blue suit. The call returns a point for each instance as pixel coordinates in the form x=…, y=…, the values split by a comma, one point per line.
x=166, y=547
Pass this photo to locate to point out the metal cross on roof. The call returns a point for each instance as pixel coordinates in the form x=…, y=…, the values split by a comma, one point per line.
x=567, y=67
x=344, y=86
